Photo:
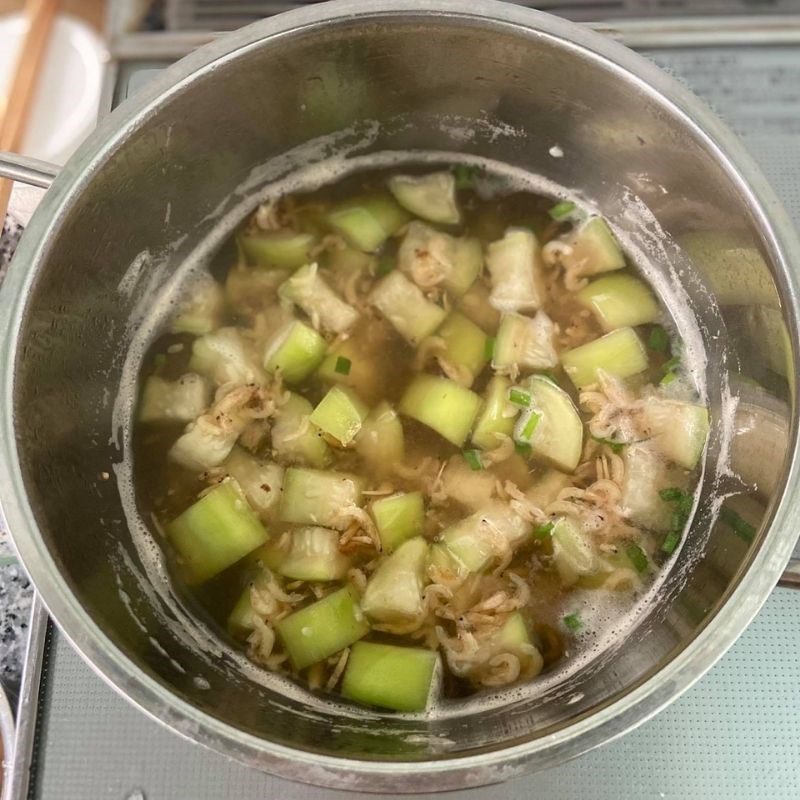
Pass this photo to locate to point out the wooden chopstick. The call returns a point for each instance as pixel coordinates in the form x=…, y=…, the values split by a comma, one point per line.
x=40, y=16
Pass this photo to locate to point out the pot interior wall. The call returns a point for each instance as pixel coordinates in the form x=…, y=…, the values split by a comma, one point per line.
x=423, y=79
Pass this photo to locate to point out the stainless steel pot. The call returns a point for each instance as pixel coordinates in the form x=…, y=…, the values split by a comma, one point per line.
x=484, y=78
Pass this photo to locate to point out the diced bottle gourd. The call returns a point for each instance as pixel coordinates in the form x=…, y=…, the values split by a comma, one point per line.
x=215, y=532
x=202, y=308
x=251, y=288
x=497, y=415
x=442, y=405
x=226, y=357
x=467, y=265
x=573, y=553
x=317, y=631
x=394, y=592
x=551, y=424
x=307, y=289
x=593, y=249
x=398, y=518
x=619, y=301
x=317, y=497
x=475, y=305
x=646, y=474
x=260, y=481
x=174, y=401
x=314, y=555
x=204, y=445
x=474, y=541
x=431, y=197
x=676, y=429
x=294, y=439
x=381, y=442
x=295, y=352
x=368, y=222
x=404, y=305
x=388, y=676
x=240, y=621
x=281, y=249
x=465, y=344
x=340, y=414
x=527, y=342
x=515, y=267
x=620, y=353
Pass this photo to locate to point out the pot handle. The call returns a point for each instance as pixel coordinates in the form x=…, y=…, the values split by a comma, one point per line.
x=27, y=170
x=791, y=575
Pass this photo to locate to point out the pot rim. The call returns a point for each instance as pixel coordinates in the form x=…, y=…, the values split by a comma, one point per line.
x=734, y=612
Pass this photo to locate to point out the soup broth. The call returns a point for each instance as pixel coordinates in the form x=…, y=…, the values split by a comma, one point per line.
x=407, y=422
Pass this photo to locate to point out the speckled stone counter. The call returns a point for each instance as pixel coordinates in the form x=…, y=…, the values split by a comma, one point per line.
x=16, y=593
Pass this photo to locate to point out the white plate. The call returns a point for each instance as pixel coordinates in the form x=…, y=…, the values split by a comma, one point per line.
x=68, y=88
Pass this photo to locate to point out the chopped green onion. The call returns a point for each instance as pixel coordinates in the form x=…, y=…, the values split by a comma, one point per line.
x=544, y=530
x=671, y=370
x=637, y=557
x=488, y=348
x=342, y=365
x=522, y=448
x=616, y=447
x=573, y=622
x=530, y=425
x=386, y=264
x=466, y=175
x=658, y=339
x=743, y=529
x=672, y=493
x=678, y=520
x=548, y=376
x=561, y=210
x=670, y=542
x=519, y=398
x=473, y=458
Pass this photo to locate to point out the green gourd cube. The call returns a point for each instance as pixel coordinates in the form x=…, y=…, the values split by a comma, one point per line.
x=443, y=405
x=388, y=676
x=399, y=517
x=295, y=352
x=340, y=414
x=215, y=532
x=325, y=627
x=620, y=353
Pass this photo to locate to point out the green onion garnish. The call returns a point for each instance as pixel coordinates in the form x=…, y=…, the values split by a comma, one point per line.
x=342, y=365
x=670, y=542
x=672, y=493
x=385, y=264
x=488, y=348
x=678, y=520
x=573, y=622
x=522, y=448
x=742, y=528
x=616, y=447
x=658, y=339
x=466, y=175
x=671, y=368
x=519, y=398
x=530, y=425
x=561, y=210
x=668, y=378
x=473, y=458
x=637, y=557
x=544, y=530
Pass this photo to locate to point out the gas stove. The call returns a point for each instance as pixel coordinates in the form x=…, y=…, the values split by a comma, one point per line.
x=734, y=735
